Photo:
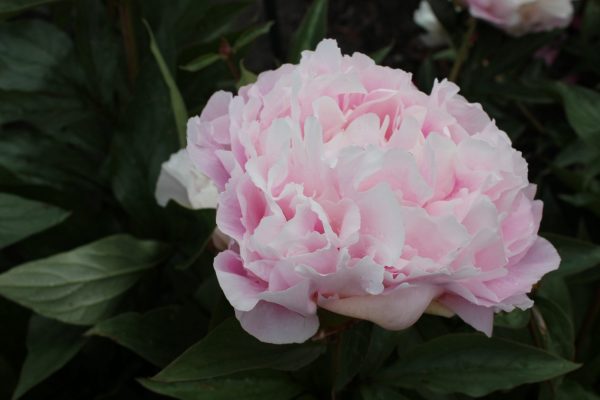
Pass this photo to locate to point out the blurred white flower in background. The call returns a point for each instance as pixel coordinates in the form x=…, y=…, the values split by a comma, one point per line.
x=436, y=34
x=181, y=182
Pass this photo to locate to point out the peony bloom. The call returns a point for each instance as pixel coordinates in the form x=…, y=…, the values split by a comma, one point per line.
x=518, y=17
x=180, y=181
x=425, y=18
x=345, y=187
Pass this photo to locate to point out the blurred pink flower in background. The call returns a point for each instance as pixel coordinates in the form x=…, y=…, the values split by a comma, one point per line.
x=345, y=187
x=518, y=17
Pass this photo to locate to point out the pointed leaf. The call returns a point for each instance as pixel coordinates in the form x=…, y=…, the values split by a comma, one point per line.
x=177, y=103
x=201, y=62
x=473, y=364
x=29, y=52
x=20, y=218
x=312, y=29
x=228, y=349
x=83, y=285
x=158, y=336
x=256, y=386
x=251, y=34
x=50, y=345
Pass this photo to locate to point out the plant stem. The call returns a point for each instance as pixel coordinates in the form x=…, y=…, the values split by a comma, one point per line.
x=128, y=39
x=463, y=51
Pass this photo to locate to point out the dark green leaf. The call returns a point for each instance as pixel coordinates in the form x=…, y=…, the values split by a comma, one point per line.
x=29, y=52
x=558, y=331
x=20, y=218
x=312, y=29
x=15, y=6
x=257, y=386
x=473, y=364
x=380, y=55
x=177, y=103
x=571, y=390
x=576, y=255
x=82, y=286
x=350, y=353
x=380, y=392
x=250, y=35
x=515, y=319
x=201, y=62
x=381, y=345
x=50, y=345
x=246, y=77
x=582, y=106
x=228, y=349
x=158, y=336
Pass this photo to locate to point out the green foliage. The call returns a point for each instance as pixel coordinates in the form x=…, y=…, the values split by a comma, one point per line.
x=105, y=295
x=20, y=218
x=81, y=286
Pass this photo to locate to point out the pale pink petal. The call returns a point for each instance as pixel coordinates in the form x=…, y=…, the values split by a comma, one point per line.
x=395, y=310
x=272, y=323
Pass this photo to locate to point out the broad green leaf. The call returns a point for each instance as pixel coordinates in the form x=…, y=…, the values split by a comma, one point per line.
x=82, y=286
x=134, y=164
x=228, y=349
x=250, y=35
x=177, y=103
x=576, y=255
x=380, y=392
x=473, y=364
x=559, y=333
x=582, y=106
x=312, y=29
x=571, y=390
x=30, y=51
x=50, y=345
x=20, y=218
x=201, y=62
x=381, y=345
x=15, y=6
x=256, y=386
x=158, y=336
x=351, y=352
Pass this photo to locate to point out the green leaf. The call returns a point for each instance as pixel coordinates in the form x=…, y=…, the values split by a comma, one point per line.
x=571, y=390
x=257, y=386
x=582, y=106
x=381, y=345
x=15, y=6
x=246, y=77
x=82, y=286
x=177, y=103
x=50, y=345
x=158, y=336
x=380, y=55
x=250, y=35
x=228, y=349
x=473, y=364
x=558, y=332
x=30, y=50
x=312, y=29
x=20, y=218
x=201, y=62
x=351, y=352
x=379, y=392
x=576, y=255
x=516, y=319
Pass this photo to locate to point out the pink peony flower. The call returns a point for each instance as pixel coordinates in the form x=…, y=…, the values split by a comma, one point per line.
x=518, y=17
x=345, y=187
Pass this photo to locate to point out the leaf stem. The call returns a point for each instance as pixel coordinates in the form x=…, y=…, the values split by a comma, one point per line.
x=463, y=51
